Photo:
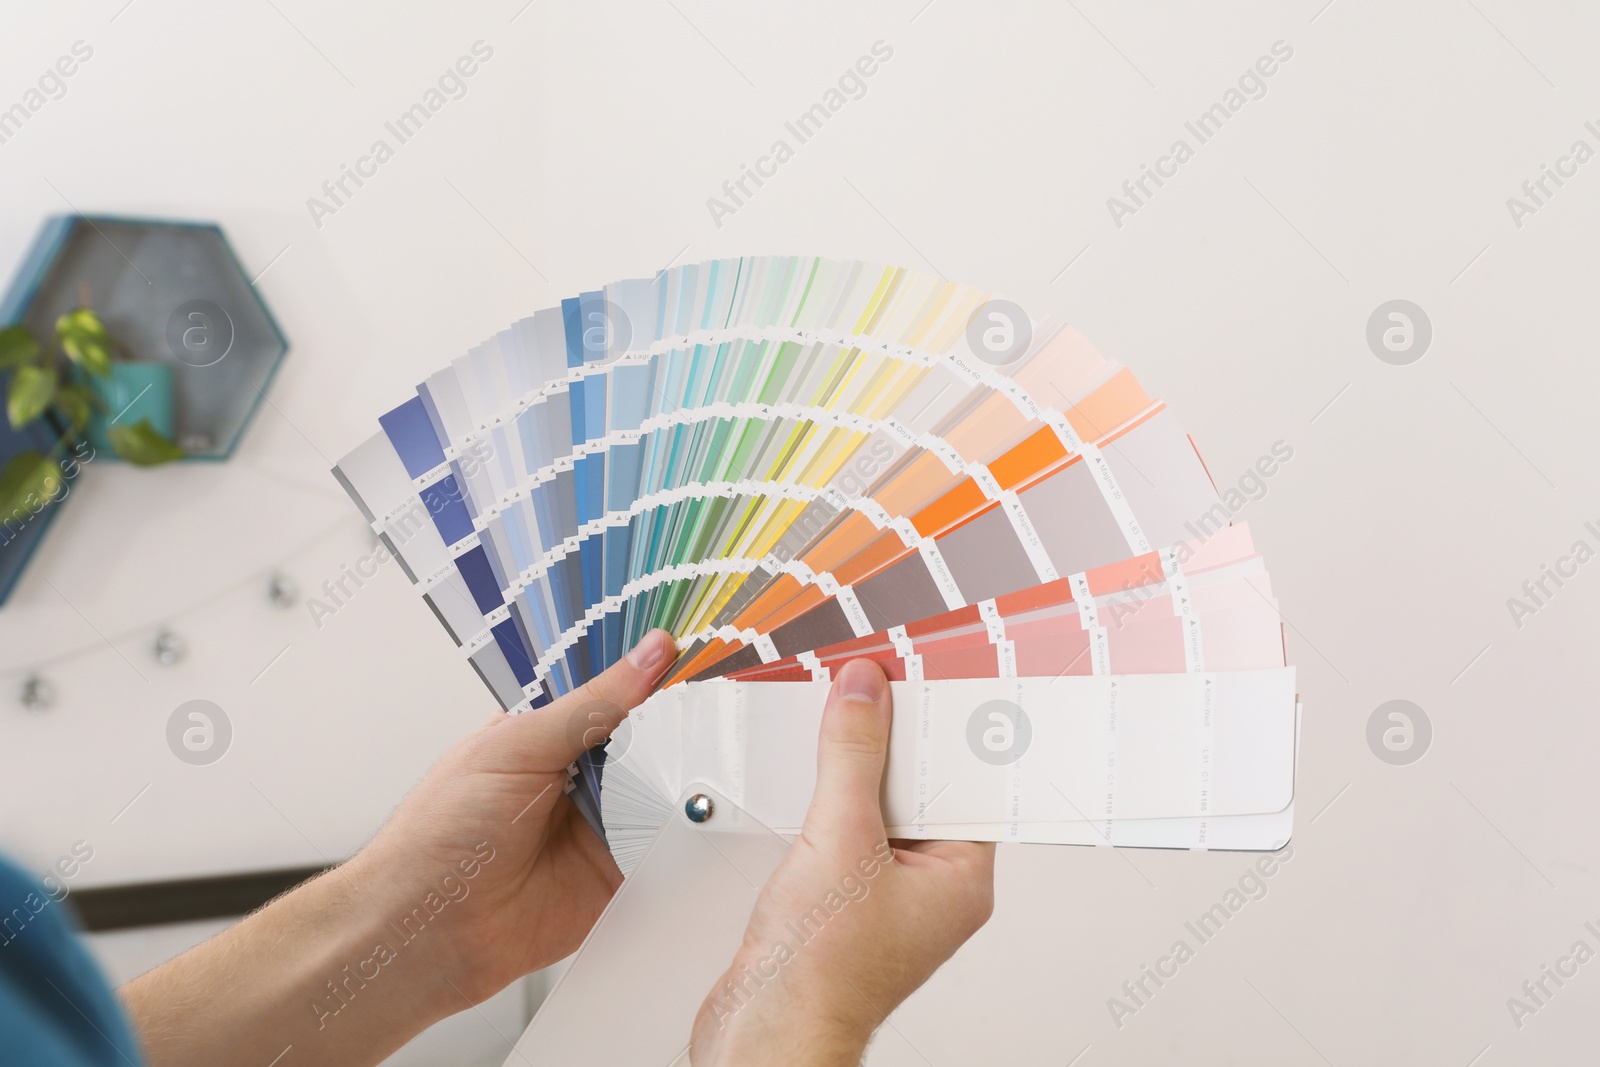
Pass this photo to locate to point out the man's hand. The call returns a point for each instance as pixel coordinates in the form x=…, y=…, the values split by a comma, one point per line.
x=848, y=926
x=543, y=875
x=485, y=872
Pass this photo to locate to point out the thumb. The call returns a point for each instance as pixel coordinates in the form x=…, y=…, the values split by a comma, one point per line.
x=851, y=752
x=563, y=730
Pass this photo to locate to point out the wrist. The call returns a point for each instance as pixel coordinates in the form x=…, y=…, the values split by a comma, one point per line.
x=764, y=1046
x=383, y=945
x=750, y=1021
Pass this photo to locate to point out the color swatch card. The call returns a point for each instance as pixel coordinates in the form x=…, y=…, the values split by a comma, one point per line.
x=788, y=462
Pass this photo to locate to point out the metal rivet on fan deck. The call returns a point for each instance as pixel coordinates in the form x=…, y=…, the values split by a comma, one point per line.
x=699, y=808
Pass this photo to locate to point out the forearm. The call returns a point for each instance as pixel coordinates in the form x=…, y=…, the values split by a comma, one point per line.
x=750, y=1021
x=780, y=1047
x=776, y=1043
x=331, y=969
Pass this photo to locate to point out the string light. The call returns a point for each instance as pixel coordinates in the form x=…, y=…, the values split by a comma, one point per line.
x=282, y=590
x=169, y=647
x=37, y=693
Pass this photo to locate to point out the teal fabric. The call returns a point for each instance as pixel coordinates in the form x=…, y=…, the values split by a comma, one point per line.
x=56, y=1009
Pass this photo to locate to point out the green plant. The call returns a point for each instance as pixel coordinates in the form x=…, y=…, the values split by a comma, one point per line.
x=42, y=379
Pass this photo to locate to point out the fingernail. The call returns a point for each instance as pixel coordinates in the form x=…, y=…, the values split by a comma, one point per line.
x=651, y=652
x=861, y=680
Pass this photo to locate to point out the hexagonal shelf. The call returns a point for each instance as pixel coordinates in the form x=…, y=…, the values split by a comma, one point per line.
x=172, y=295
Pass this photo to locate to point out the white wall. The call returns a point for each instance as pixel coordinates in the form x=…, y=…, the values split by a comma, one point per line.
x=1377, y=166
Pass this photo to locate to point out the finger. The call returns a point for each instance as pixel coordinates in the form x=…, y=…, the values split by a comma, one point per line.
x=561, y=731
x=851, y=751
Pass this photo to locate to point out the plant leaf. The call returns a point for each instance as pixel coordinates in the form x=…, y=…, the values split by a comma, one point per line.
x=84, y=339
x=142, y=444
x=32, y=389
x=76, y=403
x=17, y=347
x=29, y=474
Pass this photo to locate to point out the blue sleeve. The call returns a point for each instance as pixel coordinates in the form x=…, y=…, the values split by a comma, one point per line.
x=55, y=1008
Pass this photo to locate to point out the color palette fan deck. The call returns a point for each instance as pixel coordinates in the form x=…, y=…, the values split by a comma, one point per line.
x=789, y=462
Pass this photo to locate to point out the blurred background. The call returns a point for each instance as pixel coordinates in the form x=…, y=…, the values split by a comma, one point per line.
x=1394, y=153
